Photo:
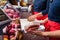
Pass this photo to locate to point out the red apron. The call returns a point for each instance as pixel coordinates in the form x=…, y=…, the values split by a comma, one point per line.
x=52, y=26
x=40, y=18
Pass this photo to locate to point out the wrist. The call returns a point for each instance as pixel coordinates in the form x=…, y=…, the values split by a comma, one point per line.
x=35, y=15
x=40, y=14
x=45, y=34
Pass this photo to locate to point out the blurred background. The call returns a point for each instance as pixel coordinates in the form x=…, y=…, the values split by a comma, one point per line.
x=16, y=10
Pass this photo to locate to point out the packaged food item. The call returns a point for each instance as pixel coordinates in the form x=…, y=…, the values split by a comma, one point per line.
x=11, y=11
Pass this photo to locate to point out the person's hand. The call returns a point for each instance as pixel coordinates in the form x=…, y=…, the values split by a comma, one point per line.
x=36, y=32
x=43, y=21
x=31, y=18
x=33, y=29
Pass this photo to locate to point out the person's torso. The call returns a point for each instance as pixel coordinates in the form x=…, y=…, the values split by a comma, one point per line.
x=54, y=11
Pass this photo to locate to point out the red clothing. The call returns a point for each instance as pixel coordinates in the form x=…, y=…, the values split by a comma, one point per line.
x=52, y=26
x=40, y=18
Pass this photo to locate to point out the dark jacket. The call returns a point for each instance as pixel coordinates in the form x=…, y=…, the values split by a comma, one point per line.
x=54, y=11
x=41, y=6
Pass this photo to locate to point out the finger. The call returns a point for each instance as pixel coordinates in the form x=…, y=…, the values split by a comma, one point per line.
x=29, y=30
x=30, y=18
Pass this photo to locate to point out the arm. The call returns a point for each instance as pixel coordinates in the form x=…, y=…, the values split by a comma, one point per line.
x=36, y=5
x=44, y=12
x=47, y=8
x=52, y=33
x=44, y=21
x=33, y=17
x=46, y=34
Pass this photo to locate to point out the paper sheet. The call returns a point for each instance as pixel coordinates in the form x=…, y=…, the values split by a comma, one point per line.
x=25, y=24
